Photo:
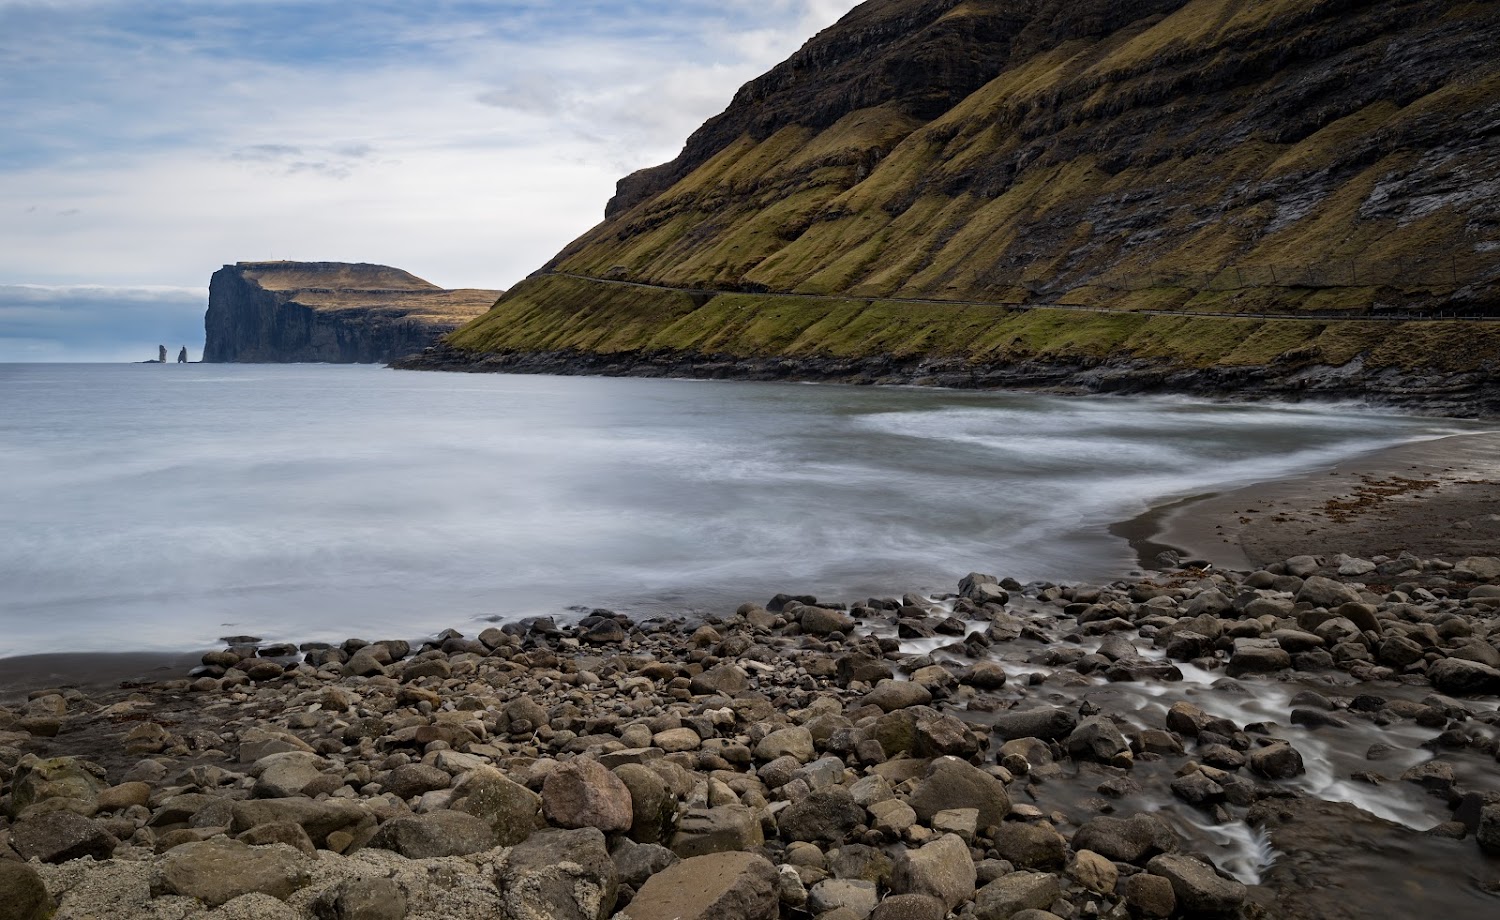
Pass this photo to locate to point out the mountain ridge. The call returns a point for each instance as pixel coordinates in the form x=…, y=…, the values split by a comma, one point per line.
x=1322, y=157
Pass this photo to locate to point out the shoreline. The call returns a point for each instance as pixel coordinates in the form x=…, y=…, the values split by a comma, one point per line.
x=1435, y=498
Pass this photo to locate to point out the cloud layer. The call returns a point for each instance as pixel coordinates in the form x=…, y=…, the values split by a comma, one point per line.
x=148, y=143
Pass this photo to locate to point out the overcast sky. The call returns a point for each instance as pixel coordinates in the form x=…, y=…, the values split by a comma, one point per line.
x=147, y=143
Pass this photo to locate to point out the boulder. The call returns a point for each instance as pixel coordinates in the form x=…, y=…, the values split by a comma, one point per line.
x=511, y=810
x=59, y=836
x=280, y=776
x=821, y=621
x=853, y=898
x=584, y=793
x=440, y=833
x=1150, y=896
x=23, y=896
x=1277, y=761
x=1010, y=894
x=1198, y=888
x=219, y=870
x=1488, y=833
x=558, y=875
x=786, y=742
x=413, y=779
x=827, y=815
x=1046, y=724
x=909, y=907
x=1031, y=846
x=941, y=869
x=652, y=805
x=1128, y=840
x=38, y=780
x=952, y=783
x=362, y=899
x=1325, y=592
x=1461, y=677
x=701, y=831
x=1096, y=738
x=1094, y=872
x=717, y=886
x=318, y=819
x=891, y=695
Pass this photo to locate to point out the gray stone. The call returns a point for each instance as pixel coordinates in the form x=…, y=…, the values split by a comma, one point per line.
x=558, y=875
x=58, y=836
x=1046, y=724
x=718, y=886
x=584, y=793
x=952, y=783
x=1096, y=738
x=828, y=815
x=724, y=679
x=512, y=811
x=1325, y=592
x=637, y=862
x=319, y=819
x=37, y=780
x=910, y=907
x=1129, y=840
x=23, y=896
x=1010, y=894
x=1150, y=896
x=1488, y=833
x=1199, y=889
x=701, y=831
x=857, y=897
x=786, y=742
x=413, y=779
x=362, y=899
x=652, y=805
x=279, y=832
x=1277, y=761
x=219, y=870
x=891, y=695
x=821, y=621
x=941, y=869
x=1461, y=677
x=1031, y=846
x=280, y=776
x=441, y=833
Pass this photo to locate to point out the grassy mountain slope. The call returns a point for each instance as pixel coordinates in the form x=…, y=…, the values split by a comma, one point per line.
x=1324, y=157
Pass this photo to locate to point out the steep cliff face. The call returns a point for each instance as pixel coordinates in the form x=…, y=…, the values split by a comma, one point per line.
x=1160, y=160
x=287, y=312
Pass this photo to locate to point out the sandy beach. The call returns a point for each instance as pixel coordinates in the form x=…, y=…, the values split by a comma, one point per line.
x=1437, y=498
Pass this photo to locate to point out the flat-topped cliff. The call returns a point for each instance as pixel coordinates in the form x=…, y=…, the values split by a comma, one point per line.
x=336, y=312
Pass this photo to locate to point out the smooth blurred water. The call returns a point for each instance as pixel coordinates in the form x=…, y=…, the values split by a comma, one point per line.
x=149, y=507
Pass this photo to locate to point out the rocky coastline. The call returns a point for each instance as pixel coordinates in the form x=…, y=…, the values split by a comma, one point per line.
x=1317, y=738
x=1468, y=394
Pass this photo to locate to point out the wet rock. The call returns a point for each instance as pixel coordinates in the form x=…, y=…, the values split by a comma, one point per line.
x=702, y=831
x=362, y=899
x=828, y=815
x=1277, y=761
x=719, y=886
x=1130, y=840
x=941, y=869
x=1096, y=738
x=559, y=875
x=821, y=621
x=1325, y=592
x=952, y=783
x=1150, y=896
x=891, y=695
x=58, y=836
x=1031, y=846
x=217, y=871
x=584, y=793
x=441, y=833
x=1199, y=889
x=23, y=896
x=1257, y=659
x=1197, y=788
x=939, y=735
x=1046, y=724
x=1460, y=677
x=1010, y=894
x=1488, y=833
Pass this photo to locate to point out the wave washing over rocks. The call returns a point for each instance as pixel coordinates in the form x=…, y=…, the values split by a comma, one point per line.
x=1317, y=739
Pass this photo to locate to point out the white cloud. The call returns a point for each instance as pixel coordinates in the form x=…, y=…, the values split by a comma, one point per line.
x=148, y=149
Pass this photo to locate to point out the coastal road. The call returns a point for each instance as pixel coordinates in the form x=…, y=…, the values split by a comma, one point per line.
x=1308, y=316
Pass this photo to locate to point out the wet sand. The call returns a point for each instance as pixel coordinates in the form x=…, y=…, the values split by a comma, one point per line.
x=1437, y=499
x=21, y=675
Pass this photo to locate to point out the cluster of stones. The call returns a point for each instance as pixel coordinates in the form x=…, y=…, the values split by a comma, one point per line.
x=788, y=760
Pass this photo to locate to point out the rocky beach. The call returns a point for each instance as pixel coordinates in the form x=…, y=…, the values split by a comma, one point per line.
x=1316, y=737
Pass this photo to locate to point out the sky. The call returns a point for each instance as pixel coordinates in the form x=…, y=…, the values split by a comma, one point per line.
x=145, y=143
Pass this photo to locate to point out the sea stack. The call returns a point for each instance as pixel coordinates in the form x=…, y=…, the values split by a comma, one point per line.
x=333, y=312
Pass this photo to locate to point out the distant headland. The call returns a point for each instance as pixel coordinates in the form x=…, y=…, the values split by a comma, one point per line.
x=335, y=312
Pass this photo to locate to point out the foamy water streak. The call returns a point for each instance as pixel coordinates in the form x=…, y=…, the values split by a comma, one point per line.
x=159, y=507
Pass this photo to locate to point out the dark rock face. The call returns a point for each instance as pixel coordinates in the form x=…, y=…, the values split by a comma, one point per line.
x=331, y=312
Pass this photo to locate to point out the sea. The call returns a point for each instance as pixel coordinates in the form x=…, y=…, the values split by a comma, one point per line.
x=164, y=507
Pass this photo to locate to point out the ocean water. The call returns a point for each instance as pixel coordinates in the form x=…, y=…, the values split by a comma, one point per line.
x=148, y=507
